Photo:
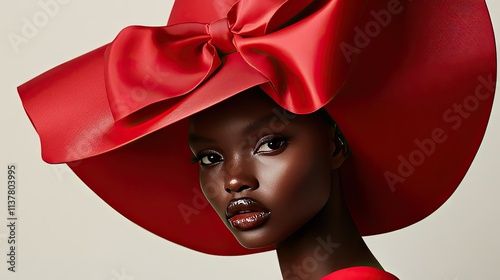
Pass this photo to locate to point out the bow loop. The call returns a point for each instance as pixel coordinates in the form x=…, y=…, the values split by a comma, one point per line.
x=293, y=43
x=250, y=18
x=145, y=65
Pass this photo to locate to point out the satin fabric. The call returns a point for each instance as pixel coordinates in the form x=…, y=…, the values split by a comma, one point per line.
x=305, y=69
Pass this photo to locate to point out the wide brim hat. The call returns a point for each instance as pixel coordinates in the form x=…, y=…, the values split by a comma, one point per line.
x=409, y=83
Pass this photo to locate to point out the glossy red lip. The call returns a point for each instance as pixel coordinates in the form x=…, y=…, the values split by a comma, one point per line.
x=246, y=213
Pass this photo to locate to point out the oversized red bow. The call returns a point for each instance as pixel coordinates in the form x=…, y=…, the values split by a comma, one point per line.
x=294, y=43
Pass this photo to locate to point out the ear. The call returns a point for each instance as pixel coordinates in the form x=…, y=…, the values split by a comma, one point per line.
x=338, y=148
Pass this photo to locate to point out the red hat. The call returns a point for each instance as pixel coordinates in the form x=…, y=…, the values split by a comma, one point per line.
x=410, y=83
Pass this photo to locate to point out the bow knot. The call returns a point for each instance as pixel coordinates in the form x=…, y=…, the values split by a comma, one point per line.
x=221, y=35
x=294, y=44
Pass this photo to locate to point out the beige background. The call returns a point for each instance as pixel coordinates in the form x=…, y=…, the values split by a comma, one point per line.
x=66, y=232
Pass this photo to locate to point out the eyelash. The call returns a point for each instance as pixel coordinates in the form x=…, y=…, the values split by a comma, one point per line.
x=269, y=139
x=263, y=141
x=198, y=158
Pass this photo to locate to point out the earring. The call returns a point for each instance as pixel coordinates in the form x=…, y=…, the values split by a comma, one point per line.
x=340, y=147
x=339, y=138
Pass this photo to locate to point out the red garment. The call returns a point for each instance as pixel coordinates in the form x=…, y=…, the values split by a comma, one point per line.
x=360, y=273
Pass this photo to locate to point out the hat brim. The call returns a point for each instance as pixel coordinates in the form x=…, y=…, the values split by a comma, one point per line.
x=410, y=144
x=75, y=92
x=151, y=181
x=415, y=110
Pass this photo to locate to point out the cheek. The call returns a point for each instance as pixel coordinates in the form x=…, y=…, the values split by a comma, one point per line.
x=212, y=188
x=300, y=184
x=309, y=183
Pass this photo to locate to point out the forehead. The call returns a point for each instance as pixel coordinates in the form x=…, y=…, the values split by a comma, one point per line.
x=249, y=107
x=250, y=112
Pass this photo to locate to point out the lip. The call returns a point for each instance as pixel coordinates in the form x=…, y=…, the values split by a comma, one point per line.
x=246, y=213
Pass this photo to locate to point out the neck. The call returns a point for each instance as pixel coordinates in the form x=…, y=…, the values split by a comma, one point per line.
x=329, y=242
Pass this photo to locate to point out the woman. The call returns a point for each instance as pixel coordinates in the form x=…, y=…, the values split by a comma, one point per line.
x=278, y=185
x=385, y=168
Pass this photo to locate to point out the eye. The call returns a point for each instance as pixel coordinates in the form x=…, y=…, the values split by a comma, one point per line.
x=270, y=144
x=207, y=159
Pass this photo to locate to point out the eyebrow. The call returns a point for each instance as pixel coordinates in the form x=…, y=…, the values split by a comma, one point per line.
x=199, y=138
x=264, y=121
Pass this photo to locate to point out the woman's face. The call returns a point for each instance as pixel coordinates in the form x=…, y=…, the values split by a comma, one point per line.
x=265, y=171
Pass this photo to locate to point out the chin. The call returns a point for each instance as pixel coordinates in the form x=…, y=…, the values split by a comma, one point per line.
x=260, y=237
x=253, y=239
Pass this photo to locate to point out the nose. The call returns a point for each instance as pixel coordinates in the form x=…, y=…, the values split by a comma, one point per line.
x=235, y=185
x=240, y=179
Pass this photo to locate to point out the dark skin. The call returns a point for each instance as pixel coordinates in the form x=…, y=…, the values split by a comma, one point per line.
x=289, y=166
